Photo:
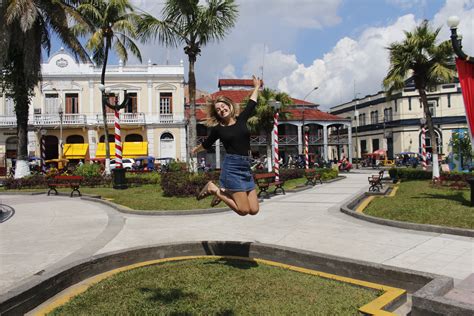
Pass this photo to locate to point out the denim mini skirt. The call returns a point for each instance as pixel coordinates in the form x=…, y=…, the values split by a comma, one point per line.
x=235, y=174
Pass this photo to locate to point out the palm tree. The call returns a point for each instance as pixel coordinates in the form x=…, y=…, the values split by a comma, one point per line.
x=187, y=22
x=263, y=120
x=429, y=64
x=111, y=25
x=25, y=31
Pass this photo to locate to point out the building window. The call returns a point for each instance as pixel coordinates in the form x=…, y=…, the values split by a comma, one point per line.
x=134, y=138
x=375, y=144
x=72, y=103
x=75, y=139
x=132, y=106
x=51, y=103
x=9, y=106
x=409, y=104
x=166, y=103
x=363, y=146
x=388, y=115
x=111, y=97
x=374, y=117
x=449, y=100
x=432, y=107
x=362, y=121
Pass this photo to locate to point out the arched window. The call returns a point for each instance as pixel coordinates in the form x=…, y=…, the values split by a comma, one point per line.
x=439, y=142
x=134, y=138
x=75, y=139
x=111, y=138
x=167, y=136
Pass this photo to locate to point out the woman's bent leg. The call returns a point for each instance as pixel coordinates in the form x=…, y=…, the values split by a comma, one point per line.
x=253, y=202
x=242, y=201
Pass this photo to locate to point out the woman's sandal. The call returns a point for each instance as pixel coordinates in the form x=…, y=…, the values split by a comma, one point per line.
x=215, y=201
x=204, y=192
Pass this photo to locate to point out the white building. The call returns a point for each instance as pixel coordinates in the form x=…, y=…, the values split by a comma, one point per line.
x=152, y=124
x=394, y=124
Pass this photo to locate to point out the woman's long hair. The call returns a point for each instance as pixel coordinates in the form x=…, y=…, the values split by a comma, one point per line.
x=212, y=118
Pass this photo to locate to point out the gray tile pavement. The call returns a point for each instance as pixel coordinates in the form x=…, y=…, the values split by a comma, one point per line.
x=47, y=231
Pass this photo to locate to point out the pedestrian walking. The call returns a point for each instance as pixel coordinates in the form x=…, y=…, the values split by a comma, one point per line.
x=237, y=188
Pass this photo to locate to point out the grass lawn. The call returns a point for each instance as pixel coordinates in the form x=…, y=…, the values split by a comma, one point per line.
x=418, y=202
x=150, y=197
x=217, y=287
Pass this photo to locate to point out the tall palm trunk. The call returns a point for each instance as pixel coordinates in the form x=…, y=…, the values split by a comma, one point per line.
x=192, y=110
x=104, y=108
x=431, y=131
x=21, y=111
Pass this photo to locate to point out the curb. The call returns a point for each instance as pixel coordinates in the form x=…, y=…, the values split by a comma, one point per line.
x=127, y=210
x=426, y=288
x=350, y=209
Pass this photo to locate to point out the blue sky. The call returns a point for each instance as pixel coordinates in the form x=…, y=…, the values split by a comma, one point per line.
x=332, y=44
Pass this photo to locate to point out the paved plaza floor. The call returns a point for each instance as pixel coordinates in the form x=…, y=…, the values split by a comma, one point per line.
x=49, y=232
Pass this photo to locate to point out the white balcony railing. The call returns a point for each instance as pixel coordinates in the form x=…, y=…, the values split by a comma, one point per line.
x=54, y=119
x=8, y=120
x=125, y=118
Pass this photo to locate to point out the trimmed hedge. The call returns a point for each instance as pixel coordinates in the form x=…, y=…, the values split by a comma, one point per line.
x=182, y=183
x=409, y=174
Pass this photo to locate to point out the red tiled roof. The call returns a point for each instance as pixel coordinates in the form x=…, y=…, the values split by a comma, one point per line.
x=235, y=82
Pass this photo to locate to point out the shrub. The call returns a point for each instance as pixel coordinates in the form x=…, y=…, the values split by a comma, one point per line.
x=327, y=173
x=182, y=183
x=177, y=166
x=143, y=178
x=30, y=182
x=88, y=170
x=409, y=174
x=288, y=174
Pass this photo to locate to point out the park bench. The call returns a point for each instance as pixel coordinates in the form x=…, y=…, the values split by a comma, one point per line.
x=267, y=180
x=312, y=176
x=73, y=182
x=375, y=182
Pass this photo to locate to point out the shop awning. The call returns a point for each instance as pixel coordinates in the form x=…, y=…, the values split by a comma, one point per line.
x=100, y=153
x=75, y=151
x=135, y=149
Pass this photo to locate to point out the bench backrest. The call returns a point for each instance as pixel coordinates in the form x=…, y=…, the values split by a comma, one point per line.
x=267, y=175
x=68, y=178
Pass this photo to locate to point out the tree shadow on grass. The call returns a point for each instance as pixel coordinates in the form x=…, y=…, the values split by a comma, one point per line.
x=236, y=263
x=458, y=197
x=167, y=295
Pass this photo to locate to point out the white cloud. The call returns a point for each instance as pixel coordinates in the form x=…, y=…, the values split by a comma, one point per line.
x=229, y=72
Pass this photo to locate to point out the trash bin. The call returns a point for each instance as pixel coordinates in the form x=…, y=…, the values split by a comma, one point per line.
x=120, y=182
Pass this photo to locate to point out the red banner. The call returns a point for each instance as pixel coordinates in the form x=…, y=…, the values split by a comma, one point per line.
x=466, y=78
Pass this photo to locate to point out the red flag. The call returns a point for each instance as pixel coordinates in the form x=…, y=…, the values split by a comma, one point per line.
x=466, y=78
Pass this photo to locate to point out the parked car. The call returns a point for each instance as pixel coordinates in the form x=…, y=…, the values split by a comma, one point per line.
x=127, y=163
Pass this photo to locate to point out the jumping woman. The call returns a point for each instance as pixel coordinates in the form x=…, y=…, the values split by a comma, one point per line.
x=237, y=188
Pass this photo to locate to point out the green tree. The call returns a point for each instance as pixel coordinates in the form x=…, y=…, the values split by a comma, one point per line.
x=262, y=121
x=111, y=25
x=24, y=34
x=194, y=25
x=429, y=64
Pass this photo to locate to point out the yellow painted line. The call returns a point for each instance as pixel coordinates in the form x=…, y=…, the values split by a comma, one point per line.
x=373, y=308
x=394, y=191
x=364, y=204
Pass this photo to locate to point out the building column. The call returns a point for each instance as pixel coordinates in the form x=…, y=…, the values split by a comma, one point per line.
x=93, y=139
x=150, y=97
x=300, y=139
x=91, y=97
x=150, y=136
x=218, y=153
x=184, y=148
x=349, y=142
x=32, y=143
x=325, y=142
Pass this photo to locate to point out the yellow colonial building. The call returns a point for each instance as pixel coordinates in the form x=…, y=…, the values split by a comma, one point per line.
x=66, y=108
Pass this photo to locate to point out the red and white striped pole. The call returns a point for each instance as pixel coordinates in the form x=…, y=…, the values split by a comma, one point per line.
x=423, y=147
x=118, y=141
x=277, y=158
x=306, y=156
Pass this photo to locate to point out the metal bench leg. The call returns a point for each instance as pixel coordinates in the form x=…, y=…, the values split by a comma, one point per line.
x=53, y=189
x=75, y=190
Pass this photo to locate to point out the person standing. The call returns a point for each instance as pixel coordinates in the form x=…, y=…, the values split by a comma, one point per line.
x=237, y=187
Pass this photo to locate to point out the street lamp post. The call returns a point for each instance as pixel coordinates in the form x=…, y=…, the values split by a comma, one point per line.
x=119, y=172
x=304, y=107
x=276, y=159
x=306, y=141
x=61, y=113
x=423, y=142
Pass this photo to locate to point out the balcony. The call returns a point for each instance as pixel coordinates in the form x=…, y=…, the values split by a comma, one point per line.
x=125, y=118
x=53, y=119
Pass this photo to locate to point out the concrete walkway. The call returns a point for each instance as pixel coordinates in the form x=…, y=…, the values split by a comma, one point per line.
x=48, y=232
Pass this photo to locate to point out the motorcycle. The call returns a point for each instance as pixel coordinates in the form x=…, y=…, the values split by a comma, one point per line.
x=344, y=166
